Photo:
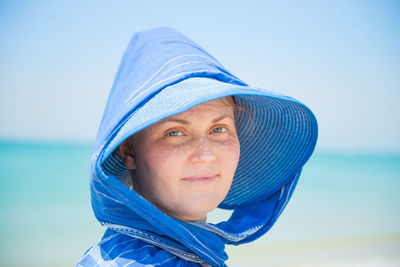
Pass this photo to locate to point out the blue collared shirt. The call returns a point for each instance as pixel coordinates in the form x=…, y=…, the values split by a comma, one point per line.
x=122, y=250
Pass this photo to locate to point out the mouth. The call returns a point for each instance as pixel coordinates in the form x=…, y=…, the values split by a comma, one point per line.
x=201, y=179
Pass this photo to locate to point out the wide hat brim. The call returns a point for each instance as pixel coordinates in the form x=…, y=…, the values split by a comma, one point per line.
x=275, y=144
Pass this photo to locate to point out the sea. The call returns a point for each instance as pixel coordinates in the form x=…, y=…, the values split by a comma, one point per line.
x=345, y=210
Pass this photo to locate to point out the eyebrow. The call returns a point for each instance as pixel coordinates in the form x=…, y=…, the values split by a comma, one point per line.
x=220, y=118
x=185, y=122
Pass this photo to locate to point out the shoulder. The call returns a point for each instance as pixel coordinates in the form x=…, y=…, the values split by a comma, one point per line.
x=123, y=250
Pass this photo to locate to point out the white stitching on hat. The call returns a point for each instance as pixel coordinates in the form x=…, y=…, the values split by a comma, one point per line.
x=146, y=82
x=172, y=77
x=182, y=64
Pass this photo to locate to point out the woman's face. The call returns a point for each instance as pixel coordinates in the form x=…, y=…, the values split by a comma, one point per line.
x=185, y=163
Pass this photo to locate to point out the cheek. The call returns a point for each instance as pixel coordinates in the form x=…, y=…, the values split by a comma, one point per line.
x=233, y=146
x=230, y=152
x=159, y=158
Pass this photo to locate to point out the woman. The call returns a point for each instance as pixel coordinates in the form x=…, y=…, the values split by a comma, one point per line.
x=180, y=135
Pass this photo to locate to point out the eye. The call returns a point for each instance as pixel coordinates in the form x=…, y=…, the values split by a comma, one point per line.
x=174, y=133
x=219, y=130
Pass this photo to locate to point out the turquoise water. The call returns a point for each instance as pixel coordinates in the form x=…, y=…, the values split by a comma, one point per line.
x=345, y=211
x=345, y=207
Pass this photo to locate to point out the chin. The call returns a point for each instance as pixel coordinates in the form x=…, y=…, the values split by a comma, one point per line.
x=198, y=213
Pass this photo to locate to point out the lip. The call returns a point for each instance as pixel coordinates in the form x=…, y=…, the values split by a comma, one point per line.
x=201, y=179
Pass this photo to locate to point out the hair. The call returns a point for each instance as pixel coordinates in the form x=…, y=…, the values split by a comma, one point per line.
x=237, y=107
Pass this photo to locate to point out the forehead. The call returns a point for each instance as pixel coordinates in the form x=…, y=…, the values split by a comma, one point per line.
x=204, y=111
x=217, y=107
x=207, y=111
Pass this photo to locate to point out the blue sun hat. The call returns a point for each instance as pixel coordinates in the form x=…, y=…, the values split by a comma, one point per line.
x=163, y=73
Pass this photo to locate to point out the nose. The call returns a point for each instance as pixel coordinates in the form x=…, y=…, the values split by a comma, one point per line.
x=202, y=151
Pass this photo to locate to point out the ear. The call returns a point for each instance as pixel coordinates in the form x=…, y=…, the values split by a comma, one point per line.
x=127, y=154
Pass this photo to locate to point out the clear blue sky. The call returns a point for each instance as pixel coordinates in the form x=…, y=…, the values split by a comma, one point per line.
x=341, y=58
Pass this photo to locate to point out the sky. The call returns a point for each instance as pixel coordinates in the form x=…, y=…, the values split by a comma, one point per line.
x=58, y=60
